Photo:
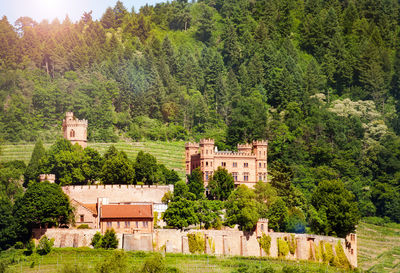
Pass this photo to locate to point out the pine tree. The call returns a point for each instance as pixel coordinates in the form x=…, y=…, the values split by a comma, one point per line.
x=32, y=170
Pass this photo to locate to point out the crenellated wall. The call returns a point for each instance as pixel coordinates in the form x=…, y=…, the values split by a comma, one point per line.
x=117, y=193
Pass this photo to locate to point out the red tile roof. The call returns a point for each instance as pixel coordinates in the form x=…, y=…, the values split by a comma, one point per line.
x=126, y=211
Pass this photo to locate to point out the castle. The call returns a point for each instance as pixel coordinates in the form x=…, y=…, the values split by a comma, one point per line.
x=248, y=165
x=75, y=130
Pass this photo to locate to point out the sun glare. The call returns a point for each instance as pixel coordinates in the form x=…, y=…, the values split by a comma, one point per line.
x=49, y=9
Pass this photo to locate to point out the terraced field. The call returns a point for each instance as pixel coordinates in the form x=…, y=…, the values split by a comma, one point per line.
x=171, y=154
x=379, y=248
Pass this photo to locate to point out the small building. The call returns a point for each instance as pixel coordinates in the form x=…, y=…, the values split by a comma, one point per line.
x=47, y=177
x=122, y=217
x=248, y=165
x=75, y=130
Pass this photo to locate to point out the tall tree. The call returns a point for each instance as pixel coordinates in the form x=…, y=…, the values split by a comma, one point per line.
x=32, y=170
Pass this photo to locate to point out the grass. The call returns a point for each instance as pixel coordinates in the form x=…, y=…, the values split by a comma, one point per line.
x=56, y=260
x=379, y=247
x=171, y=154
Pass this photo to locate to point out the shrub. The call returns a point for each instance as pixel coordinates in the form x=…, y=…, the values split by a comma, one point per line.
x=117, y=263
x=292, y=244
x=45, y=245
x=154, y=264
x=196, y=242
x=283, y=248
x=83, y=226
x=329, y=256
x=109, y=239
x=96, y=240
x=74, y=268
x=265, y=243
x=30, y=247
x=3, y=266
x=341, y=259
x=317, y=252
x=19, y=245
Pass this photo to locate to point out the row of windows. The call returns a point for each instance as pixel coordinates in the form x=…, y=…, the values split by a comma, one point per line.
x=261, y=176
x=145, y=224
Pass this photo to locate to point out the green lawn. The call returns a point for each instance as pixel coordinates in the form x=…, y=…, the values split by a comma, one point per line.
x=379, y=247
x=171, y=154
x=89, y=258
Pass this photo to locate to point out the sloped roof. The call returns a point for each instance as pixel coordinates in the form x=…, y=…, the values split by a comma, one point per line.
x=126, y=211
x=90, y=207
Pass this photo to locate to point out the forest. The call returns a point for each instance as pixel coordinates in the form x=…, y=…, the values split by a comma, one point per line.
x=320, y=79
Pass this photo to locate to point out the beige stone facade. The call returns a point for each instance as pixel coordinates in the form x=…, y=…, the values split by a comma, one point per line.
x=248, y=165
x=75, y=130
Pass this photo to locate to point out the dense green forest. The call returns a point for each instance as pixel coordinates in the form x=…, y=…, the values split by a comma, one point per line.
x=319, y=78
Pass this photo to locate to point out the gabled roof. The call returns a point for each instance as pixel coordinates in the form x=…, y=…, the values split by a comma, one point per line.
x=126, y=211
x=90, y=207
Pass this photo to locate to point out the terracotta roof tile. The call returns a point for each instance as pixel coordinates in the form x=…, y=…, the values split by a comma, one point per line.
x=126, y=211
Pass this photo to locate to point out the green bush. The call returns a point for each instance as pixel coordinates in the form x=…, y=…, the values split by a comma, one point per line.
x=74, y=268
x=83, y=226
x=96, y=240
x=154, y=264
x=196, y=242
x=30, y=247
x=292, y=244
x=116, y=263
x=109, y=239
x=283, y=248
x=329, y=256
x=3, y=266
x=45, y=245
x=265, y=243
x=341, y=259
x=19, y=245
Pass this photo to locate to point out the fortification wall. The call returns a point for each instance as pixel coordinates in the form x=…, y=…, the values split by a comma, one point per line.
x=117, y=193
x=219, y=242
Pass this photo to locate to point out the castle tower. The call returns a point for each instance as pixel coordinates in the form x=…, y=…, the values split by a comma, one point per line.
x=190, y=150
x=75, y=130
x=260, y=150
x=207, y=158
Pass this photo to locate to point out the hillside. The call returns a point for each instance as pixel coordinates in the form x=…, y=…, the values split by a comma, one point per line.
x=171, y=153
x=379, y=247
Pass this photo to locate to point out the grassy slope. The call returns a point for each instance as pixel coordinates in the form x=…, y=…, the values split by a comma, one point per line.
x=171, y=154
x=379, y=248
x=54, y=261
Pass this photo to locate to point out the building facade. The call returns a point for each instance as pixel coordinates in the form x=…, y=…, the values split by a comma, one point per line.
x=75, y=130
x=248, y=165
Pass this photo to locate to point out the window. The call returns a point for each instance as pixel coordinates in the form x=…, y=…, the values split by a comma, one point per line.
x=223, y=164
x=127, y=224
x=206, y=163
x=234, y=164
x=109, y=224
x=137, y=224
x=245, y=164
x=187, y=166
x=265, y=177
x=235, y=176
x=246, y=176
x=206, y=152
x=259, y=164
x=259, y=153
x=82, y=218
x=264, y=153
x=118, y=225
x=265, y=165
x=262, y=227
x=145, y=224
x=72, y=133
x=260, y=177
x=206, y=176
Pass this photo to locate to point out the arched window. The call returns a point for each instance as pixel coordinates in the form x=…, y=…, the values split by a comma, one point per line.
x=72, y=133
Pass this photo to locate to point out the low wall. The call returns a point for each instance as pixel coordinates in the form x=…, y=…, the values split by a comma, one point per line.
x=218, y=242
x=88, y=194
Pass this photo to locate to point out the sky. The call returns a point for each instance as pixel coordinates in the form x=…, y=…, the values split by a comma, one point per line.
x=50, y=9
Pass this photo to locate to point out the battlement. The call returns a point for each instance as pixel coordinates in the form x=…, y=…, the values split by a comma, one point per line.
x=192, y=145
x=245, y=146
x=75, y=122
x=47, y=177
x=260, y=143
x=207, y=141
x=234, y=154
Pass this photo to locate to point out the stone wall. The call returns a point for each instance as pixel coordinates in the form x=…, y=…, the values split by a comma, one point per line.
x=218, y=242
x=117, y=193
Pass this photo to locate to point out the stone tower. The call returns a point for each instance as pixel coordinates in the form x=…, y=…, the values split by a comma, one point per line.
x=75, y=130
